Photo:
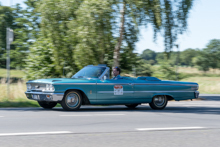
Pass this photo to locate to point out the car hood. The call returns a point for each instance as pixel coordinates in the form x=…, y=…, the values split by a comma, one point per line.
x=62, y=80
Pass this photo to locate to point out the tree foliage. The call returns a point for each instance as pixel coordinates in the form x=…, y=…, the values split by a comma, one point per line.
x=81, y=32
x=15, y=19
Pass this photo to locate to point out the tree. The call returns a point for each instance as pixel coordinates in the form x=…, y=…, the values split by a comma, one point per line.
x=202, y=62
x=86, y=32
x=165, y=15
x=21, y=43
x=7, y=19
x=149, y=55
x=165, y=71
x=80, y=32
x=212, y=52
x=14, y=18
x=40, y=60
x=208, y=57
x=187, y=56
x=143, y=68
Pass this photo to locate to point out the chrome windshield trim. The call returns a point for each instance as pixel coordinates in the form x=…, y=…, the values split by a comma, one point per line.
x=106, y=70
x=74, y=84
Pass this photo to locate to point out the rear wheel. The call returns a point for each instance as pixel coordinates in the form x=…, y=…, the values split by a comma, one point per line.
x=158, y=102
x=132, y=105
x=71, y=101
x=47, y=105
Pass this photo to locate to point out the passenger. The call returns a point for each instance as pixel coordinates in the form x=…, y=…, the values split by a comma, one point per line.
x=116, y=73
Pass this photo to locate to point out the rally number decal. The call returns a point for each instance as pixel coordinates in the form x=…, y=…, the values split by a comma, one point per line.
x=118, y=90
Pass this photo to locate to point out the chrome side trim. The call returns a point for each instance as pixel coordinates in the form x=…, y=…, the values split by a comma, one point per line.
x=74, y=84
x=113, y=92
x=145, y=84
x=113, y=83
x=161, y=91
x=165, y=84
x=40, y=93
x=142, y=91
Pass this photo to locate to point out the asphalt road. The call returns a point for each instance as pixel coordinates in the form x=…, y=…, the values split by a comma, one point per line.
x=181, y=124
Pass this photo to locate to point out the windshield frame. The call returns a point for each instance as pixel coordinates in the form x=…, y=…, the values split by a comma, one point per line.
x=100, y=77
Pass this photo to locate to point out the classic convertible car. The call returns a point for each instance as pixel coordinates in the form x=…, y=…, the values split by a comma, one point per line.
x=92, y=86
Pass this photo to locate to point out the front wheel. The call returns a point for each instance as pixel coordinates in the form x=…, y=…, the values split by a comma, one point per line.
x=71, y=101
x=47, y=105
x=159, y=102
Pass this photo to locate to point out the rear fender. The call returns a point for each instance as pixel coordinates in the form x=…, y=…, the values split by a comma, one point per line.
x=169, y=96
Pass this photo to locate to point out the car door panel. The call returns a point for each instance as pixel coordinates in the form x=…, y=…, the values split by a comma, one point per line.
x=107, y=91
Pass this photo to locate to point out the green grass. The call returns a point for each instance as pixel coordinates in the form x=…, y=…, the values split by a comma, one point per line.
x=27, y=103
x=22, y=103
x=13, y=73
x=208, y=85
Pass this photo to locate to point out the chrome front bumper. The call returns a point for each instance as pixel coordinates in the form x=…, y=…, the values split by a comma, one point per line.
x=42, y=96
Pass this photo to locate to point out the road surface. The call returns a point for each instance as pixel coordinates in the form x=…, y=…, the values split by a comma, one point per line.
x=183, y=124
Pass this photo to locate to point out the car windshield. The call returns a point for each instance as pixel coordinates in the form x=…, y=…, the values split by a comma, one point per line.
x=90, y=72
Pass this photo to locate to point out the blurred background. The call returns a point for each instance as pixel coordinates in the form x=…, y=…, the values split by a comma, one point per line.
x=171, y=40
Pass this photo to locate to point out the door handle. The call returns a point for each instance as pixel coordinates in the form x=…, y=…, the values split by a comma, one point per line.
x=130, y=84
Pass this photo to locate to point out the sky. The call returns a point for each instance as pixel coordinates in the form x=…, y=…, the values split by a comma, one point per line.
x=203, y=25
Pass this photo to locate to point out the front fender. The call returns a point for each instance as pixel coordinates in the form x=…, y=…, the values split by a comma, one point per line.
x=76, y=88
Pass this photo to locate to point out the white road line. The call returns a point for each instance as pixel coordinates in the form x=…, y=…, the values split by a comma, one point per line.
x=95, y=115
x=75, y=115
x=34, y=133
x=173, y=128
x=107, y=114
x=201, y=105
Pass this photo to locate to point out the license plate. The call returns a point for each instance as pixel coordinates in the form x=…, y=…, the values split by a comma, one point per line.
x=35, y=97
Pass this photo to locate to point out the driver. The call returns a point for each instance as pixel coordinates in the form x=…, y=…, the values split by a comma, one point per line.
x=116, y=73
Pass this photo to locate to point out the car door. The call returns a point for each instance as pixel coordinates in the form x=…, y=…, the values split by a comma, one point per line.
x=143, y=91
x=111, y=91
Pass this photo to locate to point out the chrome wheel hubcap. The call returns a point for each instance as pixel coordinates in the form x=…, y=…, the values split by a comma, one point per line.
x=159, y=101
x=72, y=100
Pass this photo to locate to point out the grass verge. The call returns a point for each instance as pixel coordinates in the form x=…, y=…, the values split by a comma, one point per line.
x=207, y=85
x=13, y=73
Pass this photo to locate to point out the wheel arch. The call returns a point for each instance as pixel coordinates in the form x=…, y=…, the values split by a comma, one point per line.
x=169, y=97
x=85, y=100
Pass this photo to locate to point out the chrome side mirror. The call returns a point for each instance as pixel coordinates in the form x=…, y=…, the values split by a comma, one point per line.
x=105, y=77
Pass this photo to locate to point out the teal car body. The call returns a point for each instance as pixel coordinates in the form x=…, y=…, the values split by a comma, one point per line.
x=101, y=90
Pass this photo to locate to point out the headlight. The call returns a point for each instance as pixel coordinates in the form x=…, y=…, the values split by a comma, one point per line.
x=28, y=87
x=49, y=87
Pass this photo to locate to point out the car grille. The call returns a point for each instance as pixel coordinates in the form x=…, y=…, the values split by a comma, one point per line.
x=37, y=87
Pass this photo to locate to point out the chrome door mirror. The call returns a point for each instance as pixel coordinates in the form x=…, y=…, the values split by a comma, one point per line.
x=105, y=77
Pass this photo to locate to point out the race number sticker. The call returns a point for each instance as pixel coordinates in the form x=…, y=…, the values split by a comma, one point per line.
x=118, y=90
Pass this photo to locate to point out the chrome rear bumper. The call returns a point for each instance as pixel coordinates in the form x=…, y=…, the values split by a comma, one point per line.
x=196, y=94
x=42, y=96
